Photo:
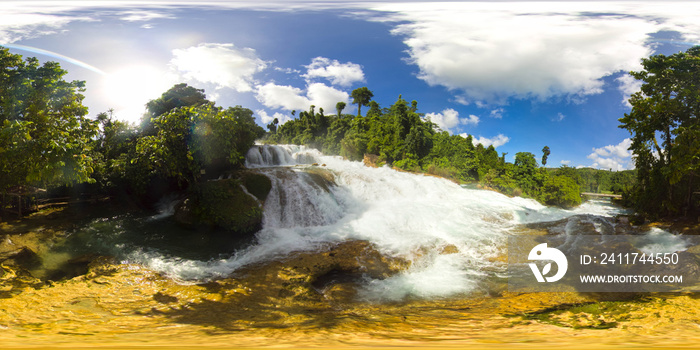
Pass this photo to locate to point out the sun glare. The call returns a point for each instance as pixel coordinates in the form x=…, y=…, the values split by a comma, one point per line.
x=129, y=89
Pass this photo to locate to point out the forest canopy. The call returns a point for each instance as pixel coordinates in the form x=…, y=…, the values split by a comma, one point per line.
x=47, y=140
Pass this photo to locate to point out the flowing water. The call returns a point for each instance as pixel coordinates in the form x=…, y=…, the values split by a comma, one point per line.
x=175, y=283
x=404, y=215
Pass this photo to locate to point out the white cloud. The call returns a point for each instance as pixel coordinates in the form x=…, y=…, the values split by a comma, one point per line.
x=267, y=119
x=291, y=98
x=221, y=64
x=470, y=120
x=560, y=116
x=16, y=25
x=343, y=74
x=287, y=70
x=449, y=119
x=326, y=97
x=497, y=113
x=446, y=120
x=628, y=86
x=497, y=141
x=566, y=162
x=492, y=51
x=143, y=15
x=282, y=96
x=615, y=157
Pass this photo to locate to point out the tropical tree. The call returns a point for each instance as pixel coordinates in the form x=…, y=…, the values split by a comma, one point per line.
x=45, y=138
x=193, y=140
x=339, y=108
x=665, y=132
x=361, y=97
x=180, y=95
x=545, y=155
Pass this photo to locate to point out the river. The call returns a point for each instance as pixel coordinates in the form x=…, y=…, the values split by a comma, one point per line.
x=348, y=255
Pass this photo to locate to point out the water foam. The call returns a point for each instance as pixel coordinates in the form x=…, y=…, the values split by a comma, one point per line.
x=402, y=214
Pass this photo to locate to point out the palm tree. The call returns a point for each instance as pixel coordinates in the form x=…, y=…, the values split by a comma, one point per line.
x=361, y=96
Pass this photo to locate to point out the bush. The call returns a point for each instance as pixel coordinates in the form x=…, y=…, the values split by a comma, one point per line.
x=561, y=191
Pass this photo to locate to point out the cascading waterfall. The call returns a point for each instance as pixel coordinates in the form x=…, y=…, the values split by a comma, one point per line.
x=278, y=155
x=405, y=215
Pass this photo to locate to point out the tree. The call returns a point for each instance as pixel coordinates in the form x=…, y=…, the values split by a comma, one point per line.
x=191, y=139
x=561, y=191
x=180, y=95
x=361, y=96
x=665, y=132
x=339, y=108
x=545, y=154
x=273, y=125
x=45, y=138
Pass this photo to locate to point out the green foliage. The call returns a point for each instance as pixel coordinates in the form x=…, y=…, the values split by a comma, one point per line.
x=192, y=140
x=361, y=97
x=561, y=191
x=45, y=138
x=180, y=95
x=664, y=127
x=545, y=154
x=398, y=135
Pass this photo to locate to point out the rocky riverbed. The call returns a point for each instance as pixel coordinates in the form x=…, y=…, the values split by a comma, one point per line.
x=306, y=299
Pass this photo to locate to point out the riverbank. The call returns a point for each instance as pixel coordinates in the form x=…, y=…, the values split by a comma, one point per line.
x=309, y=300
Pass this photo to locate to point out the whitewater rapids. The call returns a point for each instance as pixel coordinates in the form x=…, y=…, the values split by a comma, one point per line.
x=412, y=216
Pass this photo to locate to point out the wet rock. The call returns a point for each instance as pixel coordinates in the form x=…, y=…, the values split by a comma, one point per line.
x=183, y=214
x=449, y=249
x=337, y=270
x=576, y=225
x=256, y=184
x=370, y=160
x=74, y=267
x=22, y=257
x=223, y=204
x=324, y=178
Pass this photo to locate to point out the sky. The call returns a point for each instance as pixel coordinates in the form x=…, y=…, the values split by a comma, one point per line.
x=517, y=75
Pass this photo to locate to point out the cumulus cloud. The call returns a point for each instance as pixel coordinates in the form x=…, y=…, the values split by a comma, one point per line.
x=291, y=98
x=492, y=51
x=565, y=162
x=615, y=157
x=559, y=117
x=449, y=119
x=267, y=119
x=221, y=64
x=343, y=74
x=497, y=141
x=628, y=85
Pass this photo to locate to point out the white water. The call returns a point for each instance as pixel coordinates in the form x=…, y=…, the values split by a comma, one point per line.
x=402, y=214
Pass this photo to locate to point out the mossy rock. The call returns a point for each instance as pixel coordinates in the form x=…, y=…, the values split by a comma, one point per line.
x=258, y=185
x=225, y=204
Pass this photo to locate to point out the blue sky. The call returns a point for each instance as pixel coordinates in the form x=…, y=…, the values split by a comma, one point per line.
x=519, y=75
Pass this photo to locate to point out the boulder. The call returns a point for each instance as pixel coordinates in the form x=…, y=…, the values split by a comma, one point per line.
x=233, y=205
x=370, y=160
x=334, y=272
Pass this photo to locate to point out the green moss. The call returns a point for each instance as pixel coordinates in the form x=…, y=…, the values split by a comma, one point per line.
x=257, y=184
x=225, y=204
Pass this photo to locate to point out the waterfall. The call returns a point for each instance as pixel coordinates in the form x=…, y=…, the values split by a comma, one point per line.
x=273, y=155
x=452, y=235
